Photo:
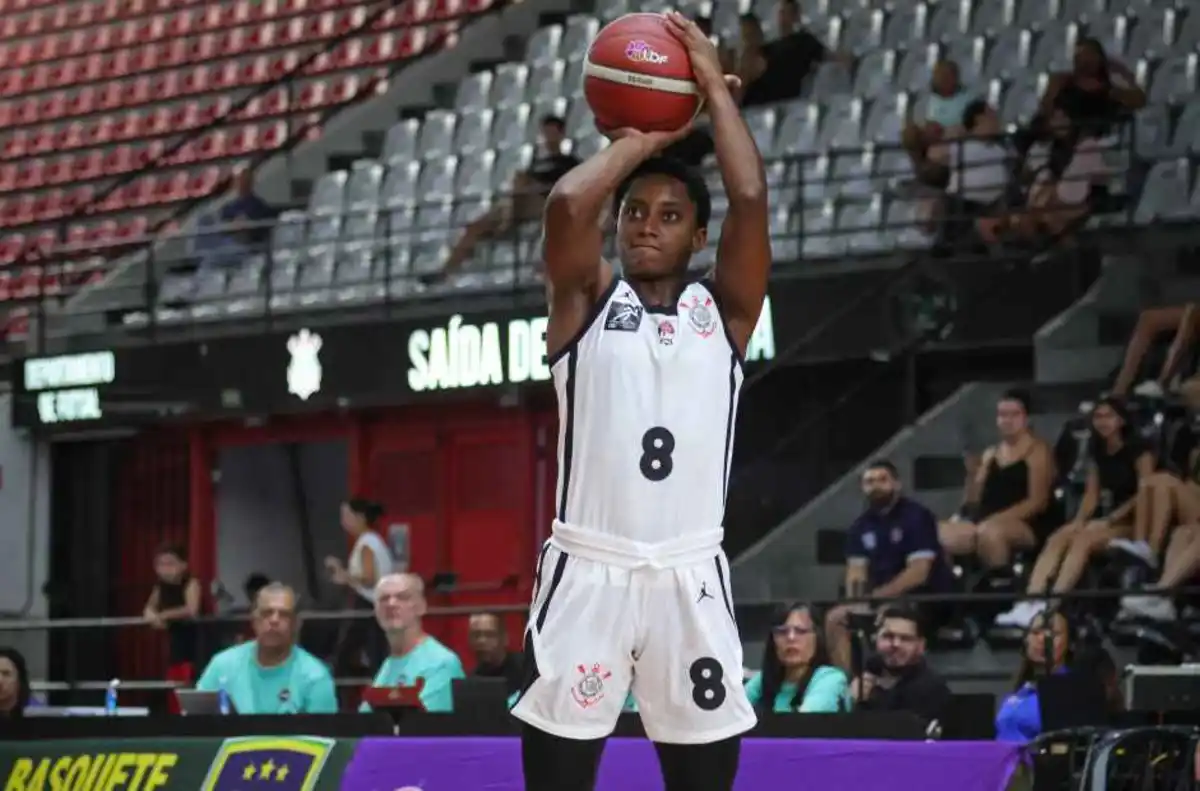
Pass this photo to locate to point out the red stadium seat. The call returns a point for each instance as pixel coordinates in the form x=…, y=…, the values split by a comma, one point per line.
x=16, y=145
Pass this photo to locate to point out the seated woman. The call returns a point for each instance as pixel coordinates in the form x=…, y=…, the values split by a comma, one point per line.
x=1183, y=321
x=1164, y=499
x=797, y=675
x=1019, y=718
x=1118, y=465
x=1011, y=492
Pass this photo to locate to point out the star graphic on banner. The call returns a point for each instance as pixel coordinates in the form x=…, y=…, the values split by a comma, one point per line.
x=282, y=773
x=267, y=770
x=248, y=772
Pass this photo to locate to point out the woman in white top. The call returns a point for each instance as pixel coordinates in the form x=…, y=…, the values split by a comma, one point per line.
x=369, y=560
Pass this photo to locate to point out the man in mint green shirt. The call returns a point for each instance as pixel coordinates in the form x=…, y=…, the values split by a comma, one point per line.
x=271, y=674
x=399, y=607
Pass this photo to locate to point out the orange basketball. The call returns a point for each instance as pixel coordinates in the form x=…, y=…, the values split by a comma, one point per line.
x=638, y=75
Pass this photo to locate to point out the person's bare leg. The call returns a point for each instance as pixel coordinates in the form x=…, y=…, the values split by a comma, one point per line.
x=1050, y=558
x=1185, y=334
x=1149, y=324
x=1183, y=557
x=1163, y=487
x=957, y=538
x=998, y=538
x=1087, y=542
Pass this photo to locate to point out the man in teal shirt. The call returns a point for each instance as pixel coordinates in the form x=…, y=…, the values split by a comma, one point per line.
x=399, y=607
x=271, y=674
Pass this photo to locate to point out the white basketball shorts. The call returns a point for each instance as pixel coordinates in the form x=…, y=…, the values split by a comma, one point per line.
x=600, y=630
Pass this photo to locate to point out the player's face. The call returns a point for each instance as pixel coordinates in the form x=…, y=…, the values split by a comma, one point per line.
x=796, y=639
x=169, y=568
x=398, y=605
x=352, y=521
x=656, y=228
x=898, y=643
x=879, y=486
x=275, y=619
x=1011, y=419
x=1105, y=421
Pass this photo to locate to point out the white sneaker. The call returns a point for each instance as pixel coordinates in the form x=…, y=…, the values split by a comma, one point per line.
x=1155, y=608
x=1149, y=389
x=1138, y=549
x=1020, y=616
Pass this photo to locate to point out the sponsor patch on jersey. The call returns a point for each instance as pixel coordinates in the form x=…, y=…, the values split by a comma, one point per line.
x=702, y=316
x=666, y=332
x=623, y=316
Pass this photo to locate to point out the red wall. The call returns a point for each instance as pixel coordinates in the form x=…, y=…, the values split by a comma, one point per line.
x=463, y=477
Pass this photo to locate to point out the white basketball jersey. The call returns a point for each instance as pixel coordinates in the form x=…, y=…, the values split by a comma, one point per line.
x=647, y=398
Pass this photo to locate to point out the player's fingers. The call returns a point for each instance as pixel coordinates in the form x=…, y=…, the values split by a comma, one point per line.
x=733, y=81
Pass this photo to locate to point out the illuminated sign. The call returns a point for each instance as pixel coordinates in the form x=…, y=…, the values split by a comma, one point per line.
x=473, y=355
x=67, y=386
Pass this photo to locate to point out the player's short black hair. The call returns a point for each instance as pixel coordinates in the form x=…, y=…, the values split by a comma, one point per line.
x=557, y=121
x=692, y=181
x=883, y=464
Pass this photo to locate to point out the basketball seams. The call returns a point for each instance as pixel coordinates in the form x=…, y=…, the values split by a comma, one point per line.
x=638, y=79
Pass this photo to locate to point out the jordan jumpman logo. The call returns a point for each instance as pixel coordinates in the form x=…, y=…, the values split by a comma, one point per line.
x=704, y=594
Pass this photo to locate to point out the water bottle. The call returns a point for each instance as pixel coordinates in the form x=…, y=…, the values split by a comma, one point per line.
x=110, y=697
x=222, y=697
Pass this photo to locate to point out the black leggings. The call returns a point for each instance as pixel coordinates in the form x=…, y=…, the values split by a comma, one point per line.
x=553, y=763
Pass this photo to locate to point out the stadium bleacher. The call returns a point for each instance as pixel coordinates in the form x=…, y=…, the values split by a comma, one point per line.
x=367, y=231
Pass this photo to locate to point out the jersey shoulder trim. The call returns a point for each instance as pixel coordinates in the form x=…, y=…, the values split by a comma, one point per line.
x=711, y=288
x=592, y=316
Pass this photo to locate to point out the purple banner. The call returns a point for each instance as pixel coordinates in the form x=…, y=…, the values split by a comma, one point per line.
x=476, y=764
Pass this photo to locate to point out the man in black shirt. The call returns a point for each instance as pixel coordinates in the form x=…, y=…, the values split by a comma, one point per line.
x=777, y=70
x=529, y=190
x=489, y=644
x=897, y=678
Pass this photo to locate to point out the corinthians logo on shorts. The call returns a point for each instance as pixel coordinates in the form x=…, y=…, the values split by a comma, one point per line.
x=589, y=690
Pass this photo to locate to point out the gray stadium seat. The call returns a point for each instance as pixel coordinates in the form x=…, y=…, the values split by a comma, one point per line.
x=915, y=68
x=886, y=118
x=362, y=189
x=577, y=36
x=798, y=132
x=904, y=25
x=508, y=84
x=473, y=131
x=545, y=81
x=969, y=53
x=875, y=73
x=328, y=193
x=850, y=176
x=818, y=239
x=1010, y=53
x=474, y=91
x=510, y=129
x=761, y=122
x=400, y=145
x=1174, y=81
x=1152, y=131
x=993, y=18
x=1054, y=47
x=1187, y=132
x=1166, y=193
x=1154, y=33
x=474, y=177
x=863, y=31
x=947, y=22
x=900, y=223
x=437, y=134
x=437, y=179
x=543, y=45
x=862, y=223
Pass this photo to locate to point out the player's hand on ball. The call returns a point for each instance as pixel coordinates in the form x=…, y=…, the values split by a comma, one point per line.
x=657, y=140
x=706, y=60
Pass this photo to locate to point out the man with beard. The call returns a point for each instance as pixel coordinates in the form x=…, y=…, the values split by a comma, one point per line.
x=897, y=678
x=892, y=550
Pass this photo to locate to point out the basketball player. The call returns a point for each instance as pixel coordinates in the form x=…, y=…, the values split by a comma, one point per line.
x=632, y=590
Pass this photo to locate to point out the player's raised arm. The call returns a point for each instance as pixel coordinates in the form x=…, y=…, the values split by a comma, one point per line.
x=576, y=274
x=744, y=252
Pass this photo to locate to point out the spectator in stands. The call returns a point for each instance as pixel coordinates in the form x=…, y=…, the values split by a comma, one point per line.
x=370, y=560
x=489, y=642
x=1097, y=93
x=980, y=170
x=898, y=678
x=943, y=120
x=173, y=606
x=891, y=549
x=777, y=70
x=1184, y=322
x=1163, y=500
x=797, y=675
x=271, y=674
x=399, y=608
x=15, y=691
x=1019, y=718
x=1014, y=484
x=1118, y=463
x=240, y=228
x=529, y=190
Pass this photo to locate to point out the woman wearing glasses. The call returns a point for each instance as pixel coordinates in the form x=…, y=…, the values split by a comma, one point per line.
x=797, y=675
